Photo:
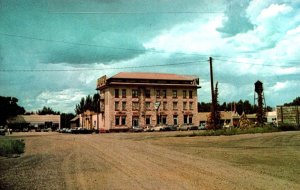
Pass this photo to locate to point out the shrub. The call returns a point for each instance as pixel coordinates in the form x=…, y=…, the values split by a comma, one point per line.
x=9, y=147
x=288, y=127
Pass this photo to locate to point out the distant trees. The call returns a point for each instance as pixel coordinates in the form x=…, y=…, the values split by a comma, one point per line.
x=9, y=108
x=65, y=119
x=239, y=106
x=47, y=110
x=295, y=102
x=88, y=103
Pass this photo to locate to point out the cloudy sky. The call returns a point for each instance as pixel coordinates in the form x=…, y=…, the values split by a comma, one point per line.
x=53, y=51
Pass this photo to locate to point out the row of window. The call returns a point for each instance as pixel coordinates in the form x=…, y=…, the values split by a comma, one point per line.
x=136, y=106
x=159, y=93
x=121, y=120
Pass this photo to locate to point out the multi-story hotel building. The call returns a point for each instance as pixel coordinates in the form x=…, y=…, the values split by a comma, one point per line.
x=139, y=99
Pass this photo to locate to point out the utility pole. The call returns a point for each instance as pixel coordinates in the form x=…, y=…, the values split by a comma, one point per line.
x=212, y=115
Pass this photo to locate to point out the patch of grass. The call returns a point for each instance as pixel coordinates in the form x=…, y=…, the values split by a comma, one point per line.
x=233, y=131
x=10, y=147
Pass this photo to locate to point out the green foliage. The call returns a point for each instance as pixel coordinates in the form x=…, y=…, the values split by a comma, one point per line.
x=65, y=119
x=9, y=108
x=47, y=110
x=295, y=102
x=88, y=103
x=10, y=147
x=288, y=127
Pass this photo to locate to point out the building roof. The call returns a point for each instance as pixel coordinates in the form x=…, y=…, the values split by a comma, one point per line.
x=34, y=119
x=156, y=76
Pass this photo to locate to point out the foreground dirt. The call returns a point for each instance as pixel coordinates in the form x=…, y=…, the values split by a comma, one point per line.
x=134, y=161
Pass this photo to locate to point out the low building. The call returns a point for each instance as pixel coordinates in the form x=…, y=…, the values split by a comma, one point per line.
x=141, y=99
x=90, y=120
x=20, y=122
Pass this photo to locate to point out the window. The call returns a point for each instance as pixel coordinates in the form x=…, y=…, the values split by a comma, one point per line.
x=123, y=93
x=175, y=119
x=190, y=94
x=116, y=93
x=147, y=93
x=123, y=105
x=165, y=105
x=148, y=120
x=185, y=119
x=135, y=106
x=191, y=105
x=190, y=119
x=184, y=105
x=117, y=120
x=157, y=93
x=116, y=105
x=123, y=120
x=147, y=105
x=174, y=93
x=164, y=93
x=174, y=105
x=164, y=119
x=184, y=94
x=135, y=93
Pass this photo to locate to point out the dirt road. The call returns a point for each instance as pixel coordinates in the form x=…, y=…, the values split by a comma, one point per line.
x=122, y=161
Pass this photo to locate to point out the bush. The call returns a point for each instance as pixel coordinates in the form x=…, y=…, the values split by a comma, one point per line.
x=288, y=127
x=9, y=147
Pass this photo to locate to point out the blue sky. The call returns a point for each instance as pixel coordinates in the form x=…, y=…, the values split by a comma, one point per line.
x=53, y=51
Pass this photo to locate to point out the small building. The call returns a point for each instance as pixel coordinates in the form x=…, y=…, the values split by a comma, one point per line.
x=228, y=118
x=20, y=122
x=90, y=120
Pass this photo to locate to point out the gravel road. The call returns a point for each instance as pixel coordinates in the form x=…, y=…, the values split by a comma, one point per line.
x=118, y=161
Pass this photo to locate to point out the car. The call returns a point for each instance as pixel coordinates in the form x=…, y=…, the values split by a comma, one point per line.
x=137, y=129
x=2, y=132
x=159, y=127
x=149, y=128
x=202, y=127
x=187, y=127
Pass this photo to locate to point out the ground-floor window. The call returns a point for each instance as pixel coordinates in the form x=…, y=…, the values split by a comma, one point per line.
x=175, y=119
x=148, y=120
x=188, y=119
x=164, y=119
x=117, y=120
x=135, y=121
x=123, y=120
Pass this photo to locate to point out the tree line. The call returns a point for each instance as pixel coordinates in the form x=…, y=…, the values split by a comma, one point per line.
x=239, y=106
x=88, y=103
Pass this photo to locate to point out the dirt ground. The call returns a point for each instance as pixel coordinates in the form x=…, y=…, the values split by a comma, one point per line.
x=154, y=161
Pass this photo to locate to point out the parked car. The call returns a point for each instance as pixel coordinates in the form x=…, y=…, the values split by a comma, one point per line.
x=149, y=128
x=137, y=129
x=187, y=127
x=172, y=128
x=2, y=132
x=159, y=128
x=202, y=127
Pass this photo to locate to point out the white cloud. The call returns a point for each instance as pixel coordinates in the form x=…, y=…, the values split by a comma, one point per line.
x=273, y=10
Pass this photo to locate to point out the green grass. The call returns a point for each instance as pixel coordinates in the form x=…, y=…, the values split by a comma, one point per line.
x=233, y=131
x=10, y=147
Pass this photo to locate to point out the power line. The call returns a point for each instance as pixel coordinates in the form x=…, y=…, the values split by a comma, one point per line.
x=267, y=65
x=96, y=45
x=135, y=12
x=98, y=69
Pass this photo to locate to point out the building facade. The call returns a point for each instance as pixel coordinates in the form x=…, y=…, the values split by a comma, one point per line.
x=147, y=99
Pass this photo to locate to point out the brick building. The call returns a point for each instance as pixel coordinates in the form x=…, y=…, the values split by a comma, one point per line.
x=139, y=99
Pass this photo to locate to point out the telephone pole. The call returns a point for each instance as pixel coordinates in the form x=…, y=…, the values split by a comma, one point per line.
x=212, y=115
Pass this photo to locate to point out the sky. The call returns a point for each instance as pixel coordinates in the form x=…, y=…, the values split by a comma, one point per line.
x=53, y=51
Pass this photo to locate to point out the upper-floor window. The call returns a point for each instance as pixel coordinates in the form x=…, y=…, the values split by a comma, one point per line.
x=116, y=105
x=135, y=93
x=174, y=93
x=157, y=93
x=147, y=93
x=191, y=105
x=174, y=105
x=164, y=93
x=190, y=94
x=123, y=93
x=184, y=105
x=147, y=105
x=184, y=94
x=116, y=93
x=123, y=105
x=165, y=105
x=135, y=106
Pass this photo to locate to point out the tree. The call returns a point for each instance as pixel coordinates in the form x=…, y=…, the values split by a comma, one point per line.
x=47, y=110
x=9, y=108
x=295, y=102
x=65, y=119
x=88, y=103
